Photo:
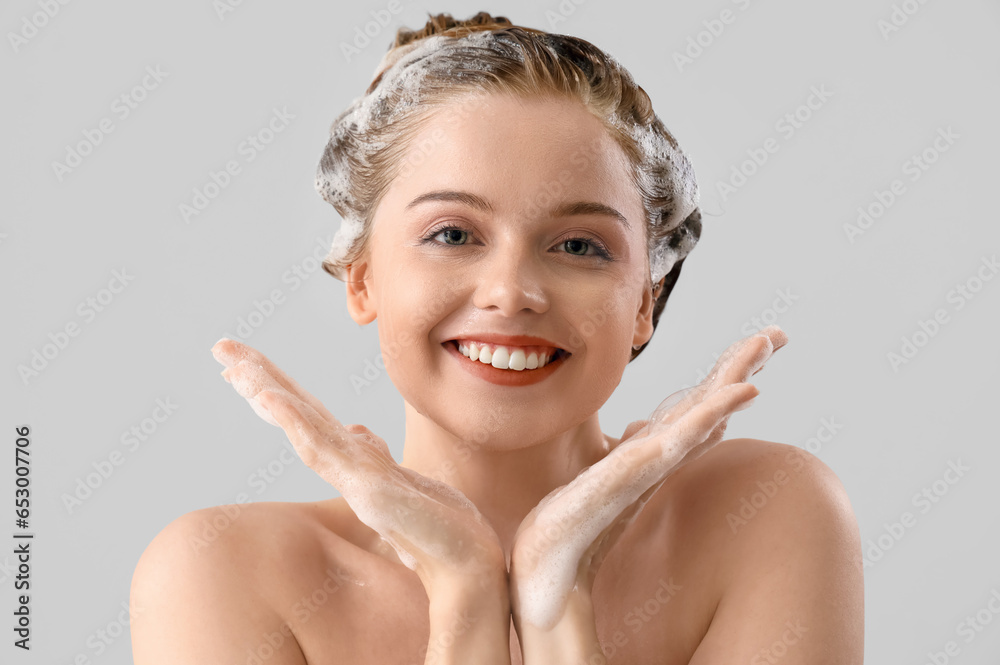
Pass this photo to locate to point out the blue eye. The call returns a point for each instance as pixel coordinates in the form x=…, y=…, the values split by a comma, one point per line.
x=450, y=232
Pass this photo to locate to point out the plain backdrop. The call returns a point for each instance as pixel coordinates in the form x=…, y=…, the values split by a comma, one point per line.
x=889, y=377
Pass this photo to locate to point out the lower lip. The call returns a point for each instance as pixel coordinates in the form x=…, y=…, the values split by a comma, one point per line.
x=504, y=377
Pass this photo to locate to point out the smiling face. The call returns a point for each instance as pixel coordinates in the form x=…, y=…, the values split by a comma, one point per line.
x=520, y=220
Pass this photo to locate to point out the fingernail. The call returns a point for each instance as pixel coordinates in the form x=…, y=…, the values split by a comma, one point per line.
x=220, y=356
x=225, y=375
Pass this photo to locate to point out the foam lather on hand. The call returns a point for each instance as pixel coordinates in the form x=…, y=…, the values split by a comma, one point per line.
x=397, y=86
x=575, y=520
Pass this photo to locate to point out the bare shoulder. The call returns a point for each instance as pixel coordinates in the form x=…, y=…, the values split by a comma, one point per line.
x=745, y=491
x=213, y=584
x=744, y=477
x=787, y=550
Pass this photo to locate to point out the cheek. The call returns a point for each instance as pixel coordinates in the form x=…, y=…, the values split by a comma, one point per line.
x=606, y=327
x=409, y=309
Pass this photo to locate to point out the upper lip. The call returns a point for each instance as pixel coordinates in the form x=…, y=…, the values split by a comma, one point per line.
x=509, y=340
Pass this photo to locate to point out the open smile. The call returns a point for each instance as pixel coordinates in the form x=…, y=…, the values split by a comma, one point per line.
x=511, y=376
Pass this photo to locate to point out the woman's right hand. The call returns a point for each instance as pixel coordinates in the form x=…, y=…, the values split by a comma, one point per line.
x=434, y=528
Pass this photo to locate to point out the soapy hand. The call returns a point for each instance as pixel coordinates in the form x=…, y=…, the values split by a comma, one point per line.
x=561, y=543
x=433, y=528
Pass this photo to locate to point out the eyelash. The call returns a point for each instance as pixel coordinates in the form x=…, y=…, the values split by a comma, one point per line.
x=601, y=250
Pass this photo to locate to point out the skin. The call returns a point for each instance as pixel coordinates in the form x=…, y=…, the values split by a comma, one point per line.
x=530, y=464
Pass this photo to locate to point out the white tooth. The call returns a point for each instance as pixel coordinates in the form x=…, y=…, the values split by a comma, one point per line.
x=517, y=361
x=484, y=355
x=500, y=358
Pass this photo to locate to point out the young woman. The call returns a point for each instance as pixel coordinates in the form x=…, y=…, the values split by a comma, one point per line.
x=515, y=216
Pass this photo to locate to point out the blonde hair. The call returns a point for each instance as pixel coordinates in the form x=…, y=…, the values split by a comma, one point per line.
x=425, y=71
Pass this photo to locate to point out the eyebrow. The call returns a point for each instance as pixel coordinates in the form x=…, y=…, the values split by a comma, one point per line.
x=562, y=210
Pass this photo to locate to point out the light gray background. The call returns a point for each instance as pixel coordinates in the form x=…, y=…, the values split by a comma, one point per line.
x=783, y=231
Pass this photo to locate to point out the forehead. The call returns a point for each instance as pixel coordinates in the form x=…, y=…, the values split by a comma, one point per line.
x=513, y=149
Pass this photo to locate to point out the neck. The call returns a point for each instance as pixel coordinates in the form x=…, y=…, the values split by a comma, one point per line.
x=503, y=484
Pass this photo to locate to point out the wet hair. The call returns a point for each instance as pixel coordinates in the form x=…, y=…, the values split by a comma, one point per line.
x=448, y=63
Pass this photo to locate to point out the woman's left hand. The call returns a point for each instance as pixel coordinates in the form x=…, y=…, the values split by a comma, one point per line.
x=562, y=542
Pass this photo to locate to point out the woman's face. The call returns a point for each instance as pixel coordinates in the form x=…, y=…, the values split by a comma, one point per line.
x=523, y=241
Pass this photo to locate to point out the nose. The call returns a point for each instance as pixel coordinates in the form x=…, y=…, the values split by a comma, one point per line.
x=510, y=280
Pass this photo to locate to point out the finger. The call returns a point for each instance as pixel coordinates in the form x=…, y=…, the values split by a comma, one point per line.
x=676, y=404
x=328, y=448
x=744, y=351
x=230, y=353
x=748, y=362
x=749, y=359
x=377, y=493
x=778, y=336
x=382, y=494
x=623, y=481
x=250, y=379
x=731, y=367
x=262, y=412
x=771, y=334
x=699, y=423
